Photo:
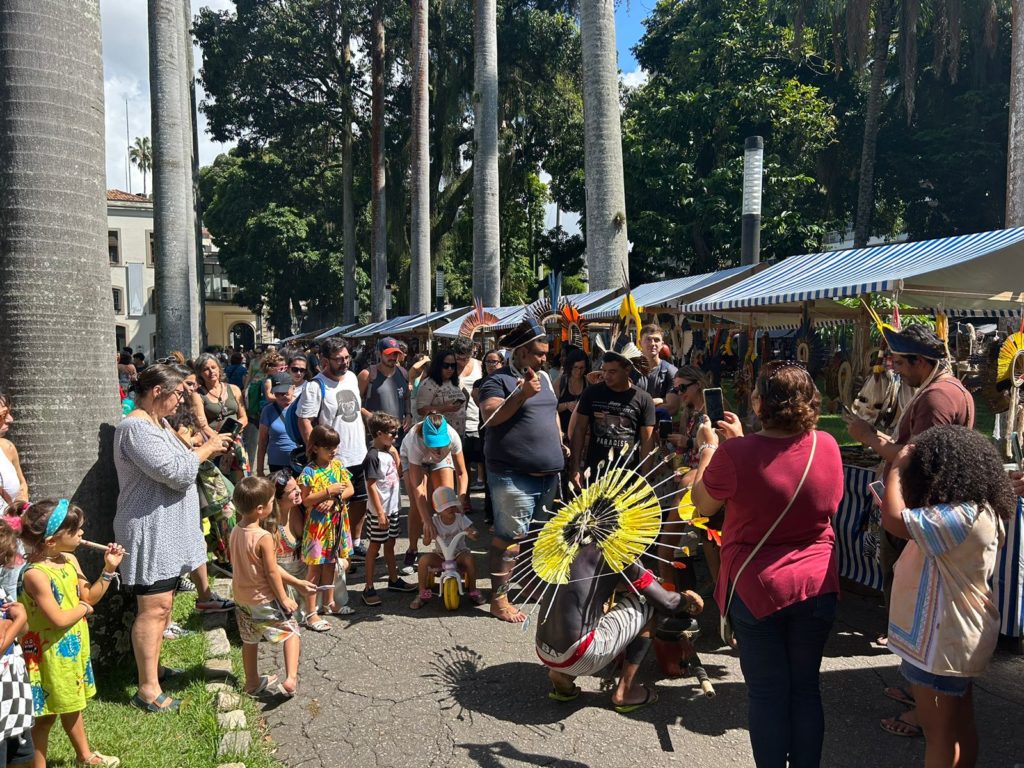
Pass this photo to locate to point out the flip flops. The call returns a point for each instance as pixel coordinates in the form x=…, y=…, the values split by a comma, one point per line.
x=649, y=698
x=557, y=695
x=897, y=726
x=900, y=694
x=156, y=705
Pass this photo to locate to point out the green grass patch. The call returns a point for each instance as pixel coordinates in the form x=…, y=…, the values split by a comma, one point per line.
x=142, y=740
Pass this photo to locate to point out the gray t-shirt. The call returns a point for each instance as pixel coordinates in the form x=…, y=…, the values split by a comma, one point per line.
x=530, y=442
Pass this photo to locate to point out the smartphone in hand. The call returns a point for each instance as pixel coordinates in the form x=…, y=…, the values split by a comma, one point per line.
x=664, y=429
x=230, y=426
x=714, y=405
x=877, y=489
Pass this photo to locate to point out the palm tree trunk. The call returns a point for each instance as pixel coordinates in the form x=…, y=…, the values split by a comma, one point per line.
x=348, y=219
x=607, y=244
x=866, y=183
x=1015, y=143
x=379, y=265
x=193, y=254
x=54, y=272
x=170, y=224
x=419, y=288
x=486, y=226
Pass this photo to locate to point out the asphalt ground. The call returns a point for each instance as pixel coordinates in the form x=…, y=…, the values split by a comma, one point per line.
x=391, y=686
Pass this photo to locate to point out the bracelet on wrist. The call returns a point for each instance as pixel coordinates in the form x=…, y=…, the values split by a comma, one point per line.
x=108, y=576
x=706, y=447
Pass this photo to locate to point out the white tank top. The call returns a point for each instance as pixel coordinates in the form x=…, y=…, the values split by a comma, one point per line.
x=8, y=477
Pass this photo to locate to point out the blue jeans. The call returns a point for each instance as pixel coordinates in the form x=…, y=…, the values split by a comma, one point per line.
x=780, y=656
x=519, y=500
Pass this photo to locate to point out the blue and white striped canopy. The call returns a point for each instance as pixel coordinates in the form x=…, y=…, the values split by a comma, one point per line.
x=980, y=271
x=664, y=292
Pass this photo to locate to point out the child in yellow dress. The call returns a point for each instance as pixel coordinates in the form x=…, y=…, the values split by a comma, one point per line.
x=58, y=598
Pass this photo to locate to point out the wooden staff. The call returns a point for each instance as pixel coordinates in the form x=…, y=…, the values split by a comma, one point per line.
x=100, y=547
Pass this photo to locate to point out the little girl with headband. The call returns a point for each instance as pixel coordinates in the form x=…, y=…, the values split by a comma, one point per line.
x=58, y=598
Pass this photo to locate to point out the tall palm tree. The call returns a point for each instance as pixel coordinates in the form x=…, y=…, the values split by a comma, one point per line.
x=141, y=155
x=419, y=288
x=486, y=228
x=348, y=219
x=607, y=245
x=193, y=252
x=54, y=272
x=1015, y=142
x=379, y=263
x=170, y=180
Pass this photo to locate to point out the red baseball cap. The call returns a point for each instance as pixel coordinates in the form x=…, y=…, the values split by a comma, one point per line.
x=389, y=346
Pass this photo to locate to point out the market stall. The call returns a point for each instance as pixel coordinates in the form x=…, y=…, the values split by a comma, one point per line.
x=979, y=273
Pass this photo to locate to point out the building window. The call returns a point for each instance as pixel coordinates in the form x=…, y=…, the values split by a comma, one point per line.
x=150, y=253
x=120, y=337
x=118, y=301
x=114, y=245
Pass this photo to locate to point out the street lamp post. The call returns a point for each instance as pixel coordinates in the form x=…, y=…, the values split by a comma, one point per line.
x=753, y=172
x=439, y=289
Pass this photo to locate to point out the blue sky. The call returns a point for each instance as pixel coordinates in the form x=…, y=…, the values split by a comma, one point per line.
x=629, y=28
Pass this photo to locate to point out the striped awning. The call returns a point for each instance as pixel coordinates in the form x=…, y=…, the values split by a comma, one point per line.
x=451, y=328
x=338, y=329
x=980, y=271
x=581, y=300
x=668, y=292
x=422, y=321
x=381, y=327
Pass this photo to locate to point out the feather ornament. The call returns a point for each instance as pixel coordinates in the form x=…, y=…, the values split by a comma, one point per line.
x=478, y=319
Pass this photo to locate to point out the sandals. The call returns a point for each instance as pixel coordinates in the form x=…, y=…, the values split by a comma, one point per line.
x=508, y=612
x=557, y=695
x=316, y=624
x=900, y=694
x=476, y=597
x=97, y=758
x=649, y=698
x=897, y=726
x=371, y=598
x=157, y=705
x=424, y=597
x=345, y=610
x=265, y=684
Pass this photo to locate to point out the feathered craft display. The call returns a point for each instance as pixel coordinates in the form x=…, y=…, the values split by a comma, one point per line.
x=478, y=319
x=574, y=327
x=629, y=312
x=1008, y=352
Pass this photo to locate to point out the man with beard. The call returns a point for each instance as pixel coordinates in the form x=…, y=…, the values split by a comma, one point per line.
x=385, y=386
x=339, y=408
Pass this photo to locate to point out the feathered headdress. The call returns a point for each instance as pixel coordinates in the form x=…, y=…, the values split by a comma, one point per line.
x=574, y=327
x=629, y=353
x=630, y=312
x=476, y=320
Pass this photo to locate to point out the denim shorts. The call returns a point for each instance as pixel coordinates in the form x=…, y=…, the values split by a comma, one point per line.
x=520, y=500
x=945, y=684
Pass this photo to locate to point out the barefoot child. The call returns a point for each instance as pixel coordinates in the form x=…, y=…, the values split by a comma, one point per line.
x=262, y=606
x=381, y=468
x=57, y=599
x=15, y=691
x=327, y=540
x=448, y=522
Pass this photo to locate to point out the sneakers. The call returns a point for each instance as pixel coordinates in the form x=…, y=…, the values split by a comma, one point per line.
x=400, y=585
x=185, y=585
x=174, y=631
x=409, y=564
x=359, y=551
x=214, y=604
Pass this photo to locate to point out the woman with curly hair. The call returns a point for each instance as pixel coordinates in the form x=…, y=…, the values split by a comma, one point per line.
x=779, y=580
x=947, y=494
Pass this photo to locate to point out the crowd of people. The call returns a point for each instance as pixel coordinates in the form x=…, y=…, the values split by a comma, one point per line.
x=336, y=433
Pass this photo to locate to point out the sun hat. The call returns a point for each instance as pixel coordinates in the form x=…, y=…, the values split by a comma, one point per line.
x=435, y=435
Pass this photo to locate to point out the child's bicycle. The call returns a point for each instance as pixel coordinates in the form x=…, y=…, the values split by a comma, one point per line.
x=449, y=579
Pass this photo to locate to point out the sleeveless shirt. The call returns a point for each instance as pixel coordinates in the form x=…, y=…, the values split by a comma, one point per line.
x=387, y=393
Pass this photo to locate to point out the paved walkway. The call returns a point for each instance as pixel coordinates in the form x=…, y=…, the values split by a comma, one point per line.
x=395, y=687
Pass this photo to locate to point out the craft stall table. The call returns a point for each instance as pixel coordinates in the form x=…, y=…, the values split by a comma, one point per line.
x=857, y=546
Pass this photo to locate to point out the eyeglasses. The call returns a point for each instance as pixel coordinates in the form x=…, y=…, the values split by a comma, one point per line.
x=298, y=370
x=180, y=394
x=492, y=362
x=448, y=366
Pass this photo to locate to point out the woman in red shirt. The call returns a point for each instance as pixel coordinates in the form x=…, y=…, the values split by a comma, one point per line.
x=780, y=588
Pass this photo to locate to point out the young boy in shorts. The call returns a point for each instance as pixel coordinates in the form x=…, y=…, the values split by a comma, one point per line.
x=262, y=606
x=382, y=469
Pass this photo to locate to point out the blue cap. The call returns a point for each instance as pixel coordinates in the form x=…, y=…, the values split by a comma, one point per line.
x=435, y=436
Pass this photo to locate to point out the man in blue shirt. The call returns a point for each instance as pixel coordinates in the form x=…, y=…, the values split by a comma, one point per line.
x=523, y=451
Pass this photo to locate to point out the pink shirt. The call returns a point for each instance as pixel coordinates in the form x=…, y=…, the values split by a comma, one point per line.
x=756, y=477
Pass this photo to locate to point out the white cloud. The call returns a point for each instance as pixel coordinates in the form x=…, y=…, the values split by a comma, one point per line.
x=635, y=78
x=126, y=77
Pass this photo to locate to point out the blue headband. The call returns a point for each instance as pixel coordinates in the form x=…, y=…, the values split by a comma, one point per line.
x=57, y=517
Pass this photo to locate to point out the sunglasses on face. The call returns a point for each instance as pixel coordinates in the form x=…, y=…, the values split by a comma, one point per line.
x=686, y=385
x=298, y=370
x=448, y=366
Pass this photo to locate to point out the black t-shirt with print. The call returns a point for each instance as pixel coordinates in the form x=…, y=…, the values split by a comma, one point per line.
x=615, y=419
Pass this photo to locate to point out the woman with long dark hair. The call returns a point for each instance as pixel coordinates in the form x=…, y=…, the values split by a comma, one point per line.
x=572, y=382
x=440, y=393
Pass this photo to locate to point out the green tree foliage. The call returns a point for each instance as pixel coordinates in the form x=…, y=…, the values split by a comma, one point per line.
x=273, y=75
x=720, y=72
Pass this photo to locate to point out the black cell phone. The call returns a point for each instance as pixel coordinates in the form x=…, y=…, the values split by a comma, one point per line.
x=664, y=429
x=231, y=426
x=714, y=405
